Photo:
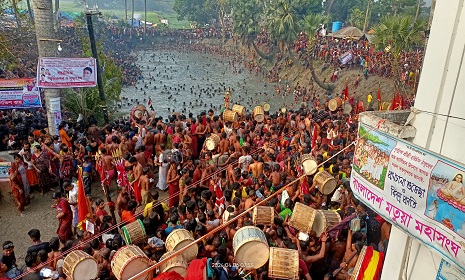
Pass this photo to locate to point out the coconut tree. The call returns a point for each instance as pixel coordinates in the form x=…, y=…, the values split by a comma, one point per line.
x=283, y=24
x=311, y=24
x=397, y=34
x=247, y=17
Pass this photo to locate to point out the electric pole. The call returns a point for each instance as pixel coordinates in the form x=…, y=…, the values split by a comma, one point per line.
x=90, y=27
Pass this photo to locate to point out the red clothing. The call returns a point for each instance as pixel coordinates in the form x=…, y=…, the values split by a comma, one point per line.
x=137, y=191
x=65, y=223
x=196, y=269
x=173, y=194
x=127, y=216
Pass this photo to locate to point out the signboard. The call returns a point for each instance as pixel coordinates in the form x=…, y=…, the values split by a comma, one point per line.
x=448, y=271
x=19, y=93
x=417, y=191
x=4, y=166
x=55, y=108
x=57, y=72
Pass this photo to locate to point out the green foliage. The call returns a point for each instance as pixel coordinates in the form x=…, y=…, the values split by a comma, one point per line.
x=357, y=18
x=86, y=101
x=282, y=22
x=246, y=16
x=370, y=137
x=200, y=11
x=341, y=9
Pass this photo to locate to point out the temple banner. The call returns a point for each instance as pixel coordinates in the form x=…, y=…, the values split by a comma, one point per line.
x=57, y=72
x=416, y=190
x=19, y=93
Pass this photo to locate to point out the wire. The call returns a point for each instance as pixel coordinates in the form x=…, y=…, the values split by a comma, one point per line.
x=117, y=225
x=174, y=254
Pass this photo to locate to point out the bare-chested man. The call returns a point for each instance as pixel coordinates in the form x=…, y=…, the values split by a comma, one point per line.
x=122, y=201
x=149, y=144
x=256, y=167
x=135, y=180
x=224, y=144
x=108, y=166
x=140, y=156
x=350, y=257
x=145, y=186
x=159, y=138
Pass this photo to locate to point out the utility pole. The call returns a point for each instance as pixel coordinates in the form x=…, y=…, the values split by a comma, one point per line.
x=90, y=27
x=47, y=45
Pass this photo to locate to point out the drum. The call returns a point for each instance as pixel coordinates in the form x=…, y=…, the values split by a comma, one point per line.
x=138, y=114
x=177, y=264
x=283, y=110
x=128, y=261
x=134, y=233
x=258, y=114
x=334, y=103
x=180, y=238
x=325, y=182
x=80, y=266
x=346, y=108
x=284, y=264
x=212, y=142
x=250, y=247
x=229, y=116
x=239, y=109
x=358, y=265
x=309, y=164
x=325, y=220
x=266, y=107
x=302, y=217
x=263, y=215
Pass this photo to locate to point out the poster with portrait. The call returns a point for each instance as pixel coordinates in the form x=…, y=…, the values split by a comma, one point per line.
x=58, y=72
x=416, y=190
x=19, y=93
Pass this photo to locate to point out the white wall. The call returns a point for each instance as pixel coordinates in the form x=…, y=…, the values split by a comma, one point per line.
x=441, y=93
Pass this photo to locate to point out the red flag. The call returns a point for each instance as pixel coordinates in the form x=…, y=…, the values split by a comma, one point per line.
x=402, y=102
x=346, y=93
x=314, y=136
x=379, y=99
x=349, y=120
x=81, y=203
x=220, y=199
x=360, y=107
x=395, y=102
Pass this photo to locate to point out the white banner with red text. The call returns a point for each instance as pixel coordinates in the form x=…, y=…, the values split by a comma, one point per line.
x=59, y=72
x=19, y=93
x=416, y=190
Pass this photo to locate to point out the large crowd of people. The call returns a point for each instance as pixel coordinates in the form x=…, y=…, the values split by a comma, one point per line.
x=210, y=191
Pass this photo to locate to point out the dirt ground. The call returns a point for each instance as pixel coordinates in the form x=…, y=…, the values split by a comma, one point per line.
x=38, y=214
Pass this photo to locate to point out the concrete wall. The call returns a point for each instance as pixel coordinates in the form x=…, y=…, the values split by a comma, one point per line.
x=441, y=93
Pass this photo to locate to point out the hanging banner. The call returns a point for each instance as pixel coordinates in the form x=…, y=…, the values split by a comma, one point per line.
x=19, y=93
x=448, y=271
x=416, y=190
x=58, y=72
x=55, y=108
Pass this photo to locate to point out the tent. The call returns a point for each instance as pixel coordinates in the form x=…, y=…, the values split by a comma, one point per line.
x=350, y=32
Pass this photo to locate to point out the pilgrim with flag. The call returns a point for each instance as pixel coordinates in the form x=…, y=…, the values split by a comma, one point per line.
x=83, y=203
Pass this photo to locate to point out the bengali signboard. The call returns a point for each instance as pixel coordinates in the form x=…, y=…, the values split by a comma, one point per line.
x=19, y=93
x=58, y=72
x=418, y=191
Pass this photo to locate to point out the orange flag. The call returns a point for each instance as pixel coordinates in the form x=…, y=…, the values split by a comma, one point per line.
x=81, y=203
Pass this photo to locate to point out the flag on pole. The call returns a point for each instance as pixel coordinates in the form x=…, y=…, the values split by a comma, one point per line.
x=346, y=93
x=314, y=135
x=379, y=97
x=81, y=203
x=395, y=102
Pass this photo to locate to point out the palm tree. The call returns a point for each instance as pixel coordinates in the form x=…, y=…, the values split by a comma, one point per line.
x=397, y=34
x=247, y=18
x=282, y=23
x=312, y=24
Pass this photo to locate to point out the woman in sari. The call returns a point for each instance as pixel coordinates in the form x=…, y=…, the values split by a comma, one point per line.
x=17, y=174
x=41, y=163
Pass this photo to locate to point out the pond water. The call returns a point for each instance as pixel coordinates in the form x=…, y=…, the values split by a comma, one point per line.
x=195, y=82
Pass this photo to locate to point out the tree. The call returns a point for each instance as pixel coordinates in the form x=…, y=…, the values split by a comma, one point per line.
x=86, y=101
x=200, y=11
x=341, y=9
x=356, y=18
x=312, y=24
x=282, y=23
x=398, y=34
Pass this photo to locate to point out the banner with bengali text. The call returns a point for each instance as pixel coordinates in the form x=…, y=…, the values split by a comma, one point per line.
x=416, y=190
x=19, y=93
x=59, y=72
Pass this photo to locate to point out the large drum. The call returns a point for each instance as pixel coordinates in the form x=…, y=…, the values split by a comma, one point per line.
x=134, y=233
x=263, y=215
x=139, y=111
x=180, y=238
x=358, y=265
x=239, y=109
x=229, y=116
x=284, y=264
x=346, y=108
x=129, y=261
x=259, y=114
x=250, y=247
x=325, y=220
x=302, y=217
x=309, y=164
x=334, y=103
x=266, y=107
x=177, y=264
x=325, y=182
x=79, y=265
x=212, y=142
